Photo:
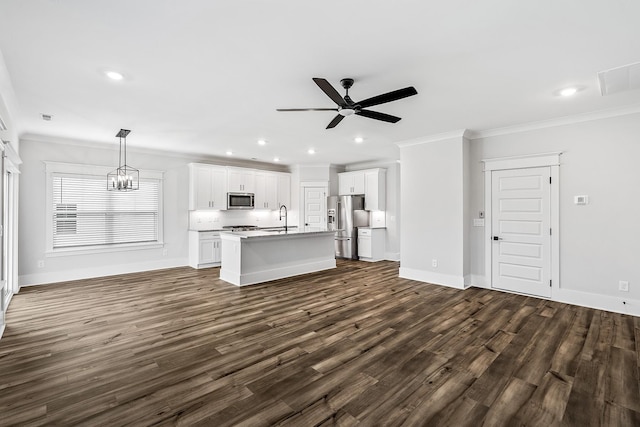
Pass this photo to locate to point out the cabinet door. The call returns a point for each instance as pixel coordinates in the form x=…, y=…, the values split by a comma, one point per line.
x=217, y=252
x=201, y=187
x=207, y=251
x=219, y=188
x=271, y=192
x=284, y=191
x=260, y=200
x=345, y=183
x=351, y=183
x=266, y=190
x=207, y=187
x=358, y=183
x=364, y=247
x=375, y=190
x=248, y=181
x=234, y=180
x=240, y=180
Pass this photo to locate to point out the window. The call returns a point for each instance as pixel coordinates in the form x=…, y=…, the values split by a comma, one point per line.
x=83, y=215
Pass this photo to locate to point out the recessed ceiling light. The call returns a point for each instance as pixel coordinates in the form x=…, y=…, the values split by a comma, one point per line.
x=358, y=139
x=311, y=151
x=114, y=75
x=276, y=159
x=229, y=152
x=46, y=117
x=569, y=91
x=261, y=142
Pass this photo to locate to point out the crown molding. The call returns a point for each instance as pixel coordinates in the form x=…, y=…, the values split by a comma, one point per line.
x=460, y=133
x=561, y=121
x=190, y=157
x=371, y=164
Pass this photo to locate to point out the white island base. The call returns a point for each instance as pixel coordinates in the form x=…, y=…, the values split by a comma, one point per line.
x=252, y=257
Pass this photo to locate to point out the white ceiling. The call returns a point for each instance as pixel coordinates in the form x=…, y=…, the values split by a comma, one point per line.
x=206, y=76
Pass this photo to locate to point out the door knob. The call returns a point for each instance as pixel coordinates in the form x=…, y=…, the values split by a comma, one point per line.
x=497, y=238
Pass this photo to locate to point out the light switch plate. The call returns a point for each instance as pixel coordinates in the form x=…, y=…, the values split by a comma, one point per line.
x=581, y=200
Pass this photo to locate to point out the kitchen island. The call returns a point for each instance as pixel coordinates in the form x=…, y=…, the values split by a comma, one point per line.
x=250, y=257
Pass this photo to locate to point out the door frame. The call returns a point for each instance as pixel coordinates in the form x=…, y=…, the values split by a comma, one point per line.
x=552, y=160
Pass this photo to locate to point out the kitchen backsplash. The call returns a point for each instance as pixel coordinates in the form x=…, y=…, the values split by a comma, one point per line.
x=211, y=220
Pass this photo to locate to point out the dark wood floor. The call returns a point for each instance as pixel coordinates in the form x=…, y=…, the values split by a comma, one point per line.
x=355, y=345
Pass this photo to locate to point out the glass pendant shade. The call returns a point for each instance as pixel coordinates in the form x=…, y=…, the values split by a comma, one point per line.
x=124, y=178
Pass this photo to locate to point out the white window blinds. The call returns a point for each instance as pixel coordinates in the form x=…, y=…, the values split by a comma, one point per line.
x=85, y=214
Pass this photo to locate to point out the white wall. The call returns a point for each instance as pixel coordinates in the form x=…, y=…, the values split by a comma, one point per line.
x=433, y=211
x=32, y=219
x=599, y=242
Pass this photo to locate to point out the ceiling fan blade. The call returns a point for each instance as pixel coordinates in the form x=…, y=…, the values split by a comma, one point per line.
x=330, y=91
x=388, y=97
x=337, y=119
x=378, y=116
x=306, y=109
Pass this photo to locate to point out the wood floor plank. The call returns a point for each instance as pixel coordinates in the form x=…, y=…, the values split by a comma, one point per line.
x=356, y=345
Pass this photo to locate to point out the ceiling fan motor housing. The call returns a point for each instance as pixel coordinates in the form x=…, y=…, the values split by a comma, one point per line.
x=346, y=83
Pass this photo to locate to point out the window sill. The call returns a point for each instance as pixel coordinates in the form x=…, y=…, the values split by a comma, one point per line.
x=101, y=250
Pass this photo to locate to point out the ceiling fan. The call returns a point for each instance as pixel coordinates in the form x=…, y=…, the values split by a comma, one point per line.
x=346, y=106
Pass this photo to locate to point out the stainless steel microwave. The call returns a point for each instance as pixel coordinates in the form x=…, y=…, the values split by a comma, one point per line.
x=240, y=201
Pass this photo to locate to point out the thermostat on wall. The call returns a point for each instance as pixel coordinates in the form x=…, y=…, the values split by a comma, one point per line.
x=581, y=200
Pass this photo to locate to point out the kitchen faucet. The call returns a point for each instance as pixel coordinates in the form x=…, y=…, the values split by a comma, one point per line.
x=285, y=216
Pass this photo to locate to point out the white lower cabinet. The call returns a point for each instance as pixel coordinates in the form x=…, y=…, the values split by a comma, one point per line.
x=204, y=249
x=371, y=244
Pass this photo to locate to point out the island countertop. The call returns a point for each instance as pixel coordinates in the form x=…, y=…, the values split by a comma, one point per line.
x=271, y=233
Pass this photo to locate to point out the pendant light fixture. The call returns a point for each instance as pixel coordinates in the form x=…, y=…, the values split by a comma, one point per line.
x=124, y=178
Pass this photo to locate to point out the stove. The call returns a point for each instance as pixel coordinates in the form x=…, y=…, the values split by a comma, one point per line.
x=240, y=227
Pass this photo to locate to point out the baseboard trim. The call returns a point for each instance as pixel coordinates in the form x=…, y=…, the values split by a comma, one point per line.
x=614, y=304
x=89, y=273
x=597, y=301
x=238, y=279
x=2, y=327
x=451, y=281
x=392, y=256
x=479, y=282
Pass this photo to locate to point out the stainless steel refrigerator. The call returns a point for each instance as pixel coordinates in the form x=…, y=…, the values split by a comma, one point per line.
x=344, y=215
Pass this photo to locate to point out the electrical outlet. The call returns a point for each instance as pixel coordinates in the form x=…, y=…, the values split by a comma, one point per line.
x=40, y=263
x=623, y=286
x=434, y=263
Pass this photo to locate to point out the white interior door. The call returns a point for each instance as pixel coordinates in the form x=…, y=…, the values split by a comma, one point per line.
x=315, y=209
x=521, y=230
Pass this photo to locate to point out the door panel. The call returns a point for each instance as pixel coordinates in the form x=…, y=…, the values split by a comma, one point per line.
x=521, y=217
x=315, y=209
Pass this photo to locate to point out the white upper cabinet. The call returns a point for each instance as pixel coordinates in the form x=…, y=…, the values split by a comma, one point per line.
x=209, y=184
x=351, y=183
x=241, y=180
x=207, y=187
x=284, y=190
x=370, y=182
x=375, y=193
x=266, y=195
